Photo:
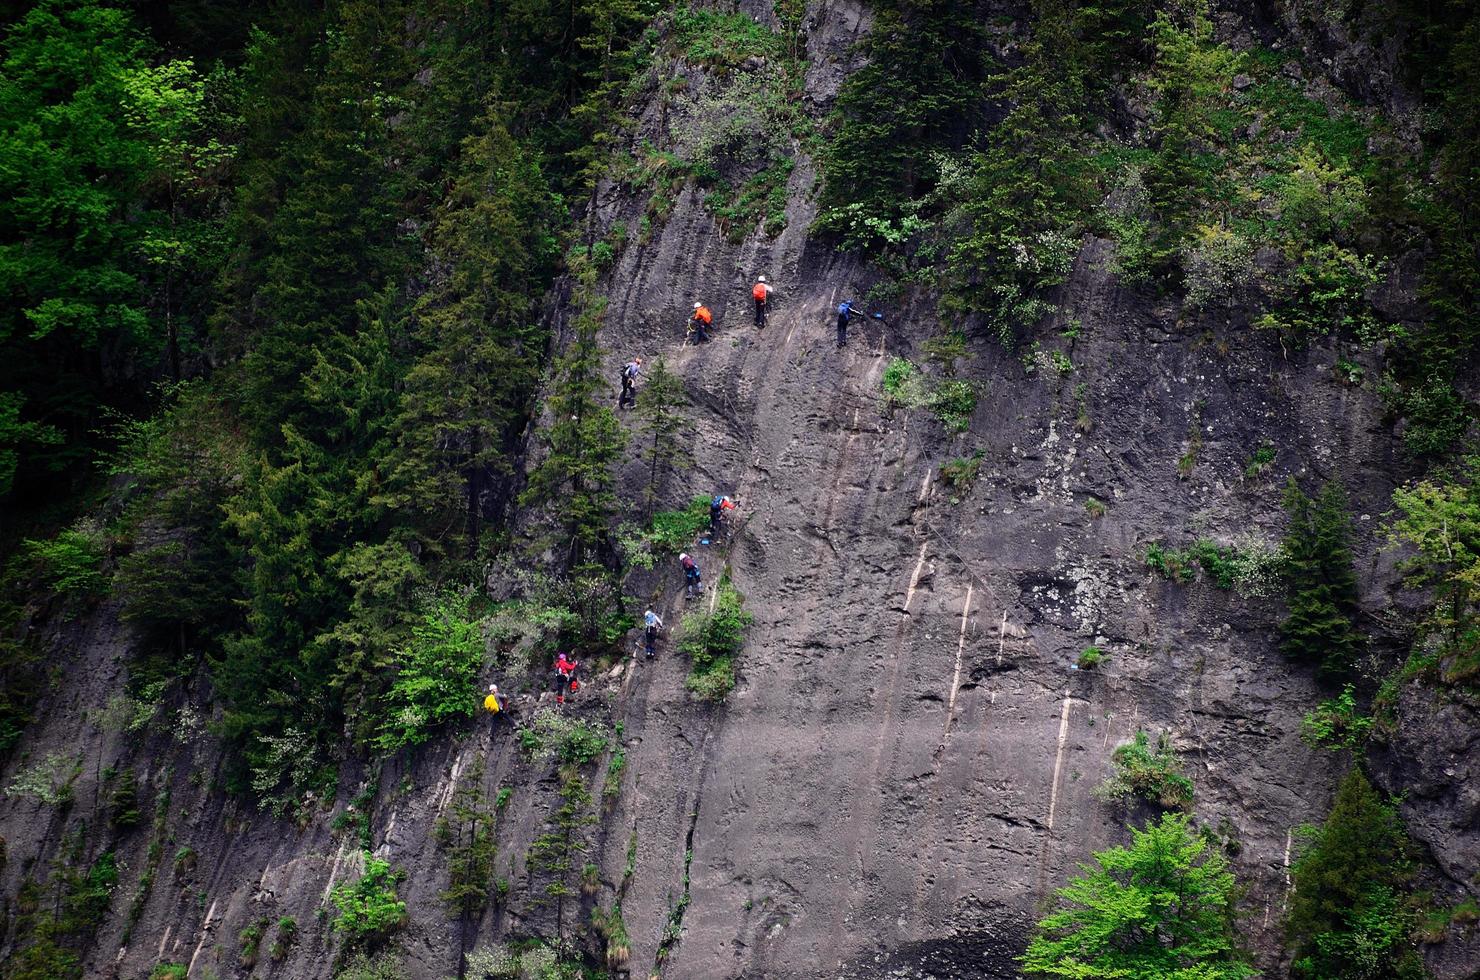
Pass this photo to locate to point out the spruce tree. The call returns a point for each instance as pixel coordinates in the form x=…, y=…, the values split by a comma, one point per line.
x=583, y=442
x=1347, y=919
x=1322, y=583
x=1162, y=907
x=477, y=330
x=658, y=411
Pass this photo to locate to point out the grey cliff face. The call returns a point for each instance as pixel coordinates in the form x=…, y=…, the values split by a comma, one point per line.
x=903, y=774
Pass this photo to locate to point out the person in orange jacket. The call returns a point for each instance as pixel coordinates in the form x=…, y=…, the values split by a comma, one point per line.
x=760, y=292
x=700, y=323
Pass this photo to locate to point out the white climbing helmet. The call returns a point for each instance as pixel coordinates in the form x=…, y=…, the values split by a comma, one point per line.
x=697, y=305
x=760, y=279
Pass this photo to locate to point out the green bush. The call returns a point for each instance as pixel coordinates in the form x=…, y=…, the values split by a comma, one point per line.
x=555, y=734
x=385, y=966
x=953, y=402
x=1336, y=723
x=1260, y=461
x=369, y=909
x=1154, y=775
x=721, y=40
x=1324, y=295
x=287, y=934
x=960, y=473
x=1090, y=657
x=712, y=640
x=1169, y=563
x=903, y=384
x=437, y=674
x=169, y=971
x=250, y=939
x=70, y=563
x=674, y=530
x=48, y=781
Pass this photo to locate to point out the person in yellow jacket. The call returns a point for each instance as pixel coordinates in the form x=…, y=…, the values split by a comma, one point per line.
x=493, y=705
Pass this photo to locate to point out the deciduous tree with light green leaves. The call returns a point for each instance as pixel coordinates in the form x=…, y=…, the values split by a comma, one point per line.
x=1160, y=909
x=1440, y=517
x=99, y=146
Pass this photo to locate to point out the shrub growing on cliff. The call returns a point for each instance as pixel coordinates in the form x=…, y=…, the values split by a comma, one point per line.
x=48, y=781
x=69, y=563
x=1162, y=907
x=369, y=909
x=1154, y=775
x=1336, y=723
x=711, y=640
x=1347, y=919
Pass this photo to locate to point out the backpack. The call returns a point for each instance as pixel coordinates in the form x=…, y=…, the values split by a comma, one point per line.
x=702, y=313
x=491, y=703
x=759, y=292
x=844, y=309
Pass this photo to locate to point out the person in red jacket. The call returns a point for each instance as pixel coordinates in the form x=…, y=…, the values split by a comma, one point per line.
x=565, y=677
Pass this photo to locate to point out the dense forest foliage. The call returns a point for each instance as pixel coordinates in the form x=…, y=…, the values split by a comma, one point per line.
x=280, y=374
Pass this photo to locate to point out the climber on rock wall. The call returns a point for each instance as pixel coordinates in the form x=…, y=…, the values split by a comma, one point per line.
x=718, y=504
x=565, y=677
x=651, y=624
x=630, y=371
x=760, y=292
x=692, y=584
x=700, y=322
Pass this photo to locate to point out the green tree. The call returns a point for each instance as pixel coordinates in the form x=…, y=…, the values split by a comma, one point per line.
x=95, y=140
x=478, y=336
x=659, y=411
x=1440, y=518
x=1160, y=909
x=1347, y=920
x=582, y=443
x=436, y=674
x=1320, y=627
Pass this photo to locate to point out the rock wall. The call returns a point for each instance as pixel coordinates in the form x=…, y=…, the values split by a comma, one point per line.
x=904, y=772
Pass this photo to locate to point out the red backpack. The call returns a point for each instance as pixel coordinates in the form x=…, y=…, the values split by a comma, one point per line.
x=759, y=292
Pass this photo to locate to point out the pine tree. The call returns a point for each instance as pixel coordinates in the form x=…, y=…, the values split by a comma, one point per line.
x=1346, y=919
x=583, y=442
x=658, y=411
x=1322, y=582
x=1162, y=907
x=477, y=331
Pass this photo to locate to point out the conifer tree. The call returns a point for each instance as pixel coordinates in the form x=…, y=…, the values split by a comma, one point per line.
x=1162, y=907
x=477, y=330
x=658, y=411
x=583, y=442
x=1322, y=584
x=1347, y=920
